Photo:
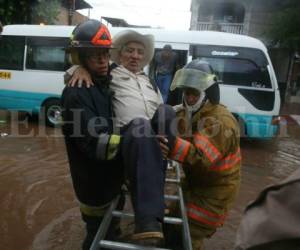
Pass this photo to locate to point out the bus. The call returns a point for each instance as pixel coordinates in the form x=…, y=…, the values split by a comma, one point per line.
x=33, y=60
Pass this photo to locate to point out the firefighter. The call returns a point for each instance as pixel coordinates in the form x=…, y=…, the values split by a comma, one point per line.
x=208, y=148
x=91, y=145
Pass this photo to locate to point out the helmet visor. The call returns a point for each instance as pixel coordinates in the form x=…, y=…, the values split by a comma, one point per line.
x=192, y=78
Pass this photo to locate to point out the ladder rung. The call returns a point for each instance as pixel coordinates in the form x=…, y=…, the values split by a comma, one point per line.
x=118, y=213
x=167, y=219
x=121, y=245
x=172, y=197
x=169, y=180
x=167, y=196
x=173, y=220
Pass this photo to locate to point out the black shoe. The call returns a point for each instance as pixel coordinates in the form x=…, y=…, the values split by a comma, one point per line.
x=148, y=234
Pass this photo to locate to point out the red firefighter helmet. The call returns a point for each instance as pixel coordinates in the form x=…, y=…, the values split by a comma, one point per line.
x=89, y=34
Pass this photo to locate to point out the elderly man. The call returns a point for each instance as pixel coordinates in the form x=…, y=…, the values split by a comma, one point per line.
x=137, y=105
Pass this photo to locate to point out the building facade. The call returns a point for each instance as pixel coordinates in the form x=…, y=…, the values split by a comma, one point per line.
x=65, y=19
x=68, y=14
x=248, y=17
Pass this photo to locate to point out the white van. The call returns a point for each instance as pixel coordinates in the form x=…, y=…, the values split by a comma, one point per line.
x=32, y=62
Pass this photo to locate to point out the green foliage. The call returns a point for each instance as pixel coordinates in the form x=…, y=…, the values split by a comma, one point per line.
x=29, y=11
x=285, y=24
x=45, y=11
x=15, y=11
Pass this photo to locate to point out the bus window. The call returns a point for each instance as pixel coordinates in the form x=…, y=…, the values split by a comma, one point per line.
x=236, y=65
x=12, y=52
x=46, y=53
x=241, y=72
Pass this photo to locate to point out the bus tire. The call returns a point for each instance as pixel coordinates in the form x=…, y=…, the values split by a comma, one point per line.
x=53, y=112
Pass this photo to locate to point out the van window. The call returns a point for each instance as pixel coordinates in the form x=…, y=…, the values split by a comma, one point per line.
x=46, y=53
x=240, y=72
x=12, y=52
x=236, y=65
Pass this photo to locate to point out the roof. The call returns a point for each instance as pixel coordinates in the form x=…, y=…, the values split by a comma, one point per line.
x=38, y=30
x=79, y=4
x=117, y=22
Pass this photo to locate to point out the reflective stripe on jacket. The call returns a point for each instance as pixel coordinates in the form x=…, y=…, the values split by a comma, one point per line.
x=209, y=151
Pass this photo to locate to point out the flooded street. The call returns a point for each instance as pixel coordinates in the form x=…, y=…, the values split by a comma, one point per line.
x=38, y=206
x=39, y=210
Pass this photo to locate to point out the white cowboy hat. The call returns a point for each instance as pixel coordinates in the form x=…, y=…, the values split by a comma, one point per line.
x=126, y=36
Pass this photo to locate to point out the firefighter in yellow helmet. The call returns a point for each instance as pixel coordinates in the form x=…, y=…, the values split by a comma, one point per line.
x=208, y=146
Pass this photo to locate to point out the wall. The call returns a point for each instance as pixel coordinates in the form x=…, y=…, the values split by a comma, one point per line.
x=63, y=17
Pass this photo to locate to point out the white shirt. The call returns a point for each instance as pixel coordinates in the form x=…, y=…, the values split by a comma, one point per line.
x=134, y=96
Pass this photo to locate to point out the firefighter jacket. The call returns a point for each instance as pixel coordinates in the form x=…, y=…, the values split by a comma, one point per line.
x=91, y=145
x=209, y=150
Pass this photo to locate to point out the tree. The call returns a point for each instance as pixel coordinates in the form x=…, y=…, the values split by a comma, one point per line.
x=44, y=11
x=15, y=11
x=29, y=11
x=285, y=24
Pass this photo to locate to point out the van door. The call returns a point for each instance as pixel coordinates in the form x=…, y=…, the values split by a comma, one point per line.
x=181, y=55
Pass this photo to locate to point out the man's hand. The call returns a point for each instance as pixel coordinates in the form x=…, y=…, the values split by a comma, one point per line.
x=163, y=146
x=81, y=76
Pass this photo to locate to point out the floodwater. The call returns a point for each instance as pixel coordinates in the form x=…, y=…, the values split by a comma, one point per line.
x=38, y=206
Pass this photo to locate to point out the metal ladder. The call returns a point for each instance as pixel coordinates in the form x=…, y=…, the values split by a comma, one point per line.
x=111, y=212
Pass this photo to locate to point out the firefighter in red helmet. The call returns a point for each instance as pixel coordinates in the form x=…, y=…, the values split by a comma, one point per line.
x=91, y=145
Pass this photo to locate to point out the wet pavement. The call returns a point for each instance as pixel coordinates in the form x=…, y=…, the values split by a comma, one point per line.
x=38, y=207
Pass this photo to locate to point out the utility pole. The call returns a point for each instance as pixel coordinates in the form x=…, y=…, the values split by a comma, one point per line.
x=71, y=11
